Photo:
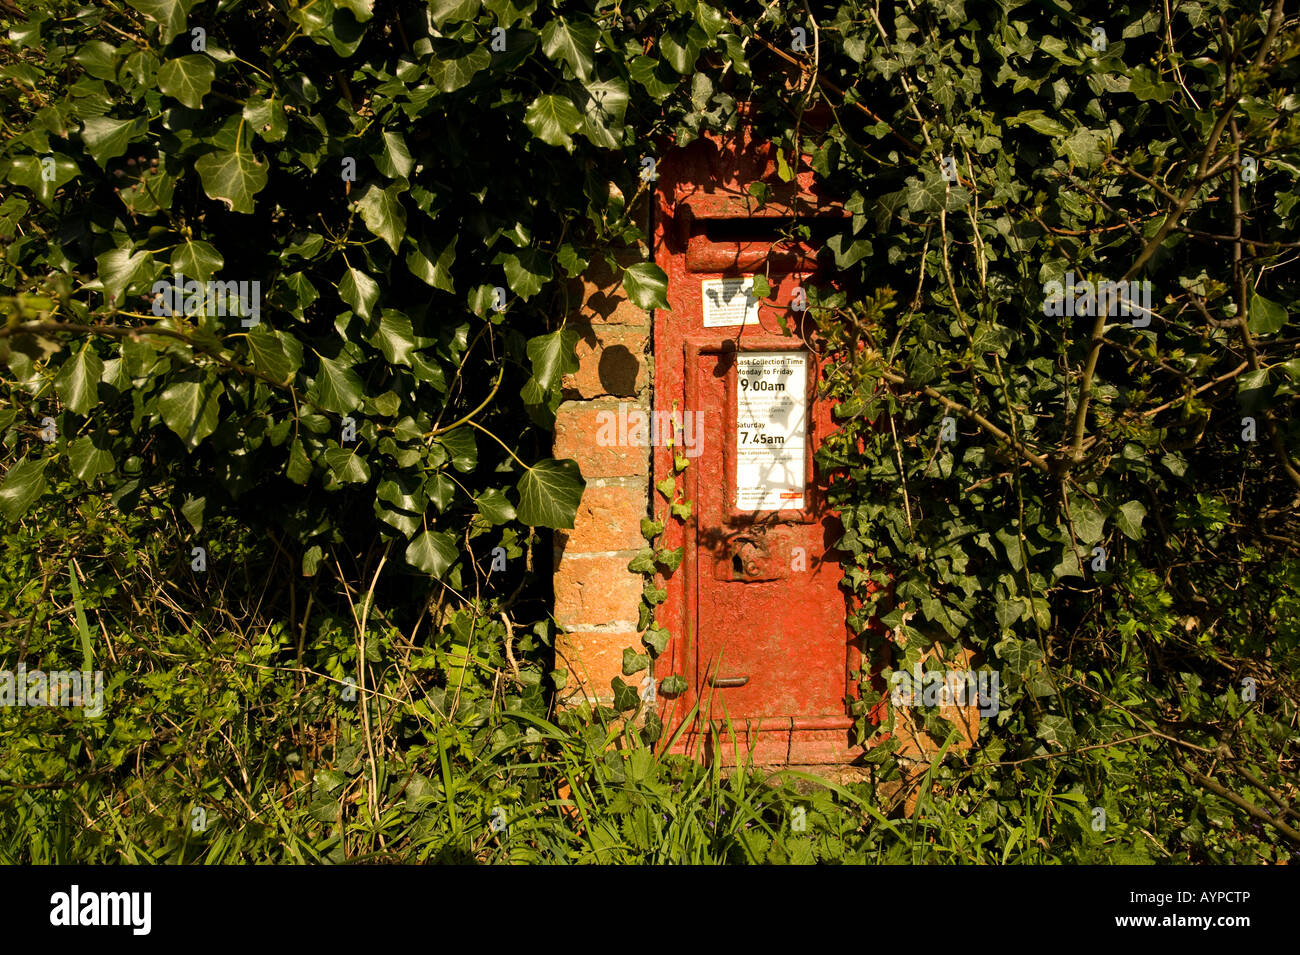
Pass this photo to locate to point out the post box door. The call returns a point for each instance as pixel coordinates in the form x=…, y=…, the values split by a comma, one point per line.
x=769, y=615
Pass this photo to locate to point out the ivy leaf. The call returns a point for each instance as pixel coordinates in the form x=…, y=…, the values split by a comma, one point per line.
x=643, y=562
x=119, y=269
x=928, y=197
x=1087, y=518
x=232, y=176
x=23, y=484
x=553, y=120
x=1253, y=389
x=647, y=285
x=311, y=560
x=395, y=337
x=347, y=465
x=1084, y=148
x=1039, y=122
x=168, y=14
x=495, y=506
x=432, y=552
x=571, y=43
x=526, y=270
x=268, y=354
x=382, y=212
x=359, y=290
x=1068, y=565
x=670, y=558
x=406, y=499
x=190, y=407
x=650, y=73
x=301, y=293
x=1266, y=316
x=1145, y=84
x=461, y=448
x=187, y=78
x=192, y=510
x=673, y=685
x=440, y=490
x=433, y=268
x=549, y=493
x=89, y=457
x=99, y=59
x=1020, y=655
x=1056, y=730
x=267, y=117
x=298, y=469
x=394, y=159
x=107, y=138
x=363, y=10
x=682, y=49
x=710, y=19
x=329, y=24
x=571, y=261
x=553, y=356
x=1008, y=612
x=452, y=11
x=451, y=74
x=603, y=113
x=656, y=640
x=847, y=249
x=1129, y=519
x=625, y=697
x=197, y=260
x=29, y=172
x=336, y=387
x=405, y=521
x=634, y=662
x=77, y=381
x=150, y=193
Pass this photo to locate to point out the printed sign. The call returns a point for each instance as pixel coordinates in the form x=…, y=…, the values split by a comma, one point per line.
x=771, y=427
x=729, y=302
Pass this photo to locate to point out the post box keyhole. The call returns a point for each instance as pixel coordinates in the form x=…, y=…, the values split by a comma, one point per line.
x=747, y=555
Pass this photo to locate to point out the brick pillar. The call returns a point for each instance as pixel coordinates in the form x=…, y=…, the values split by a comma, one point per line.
x=596, y=596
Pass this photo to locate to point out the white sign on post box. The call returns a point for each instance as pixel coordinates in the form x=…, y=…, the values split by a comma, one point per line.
x=729, y=302
x=771, y=428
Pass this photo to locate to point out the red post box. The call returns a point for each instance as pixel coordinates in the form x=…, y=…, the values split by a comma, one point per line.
x=755, y=608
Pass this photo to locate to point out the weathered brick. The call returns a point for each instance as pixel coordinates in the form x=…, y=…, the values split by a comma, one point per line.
x=593, y=660
x=577, y=426
x=598, y=297
x=611, y=361
x=609, y=518
x=595, y=590
x=599, y=591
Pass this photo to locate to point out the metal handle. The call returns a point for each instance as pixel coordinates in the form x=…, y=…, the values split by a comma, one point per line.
x=726, y=681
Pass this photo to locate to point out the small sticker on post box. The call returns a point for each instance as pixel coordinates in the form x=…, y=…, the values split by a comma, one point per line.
x=729, y=302
x=771, y=426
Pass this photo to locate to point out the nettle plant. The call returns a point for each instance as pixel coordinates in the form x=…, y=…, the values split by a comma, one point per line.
x=1103, y=508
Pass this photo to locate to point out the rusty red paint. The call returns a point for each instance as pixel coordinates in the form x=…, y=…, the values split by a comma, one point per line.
x=758, y=634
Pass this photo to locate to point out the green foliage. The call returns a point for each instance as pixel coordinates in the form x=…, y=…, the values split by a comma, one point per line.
x=1079, y=500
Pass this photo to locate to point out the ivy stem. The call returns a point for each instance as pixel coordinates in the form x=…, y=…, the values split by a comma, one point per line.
x=466, y=420
x=475, y=424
